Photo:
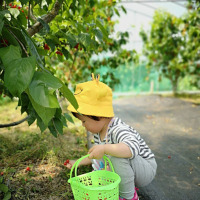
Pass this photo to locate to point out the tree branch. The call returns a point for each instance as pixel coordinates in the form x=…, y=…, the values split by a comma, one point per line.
x=47, y=18
x=14, y=123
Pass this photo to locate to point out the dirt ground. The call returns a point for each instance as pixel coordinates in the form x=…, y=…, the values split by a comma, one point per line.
x=171, y=128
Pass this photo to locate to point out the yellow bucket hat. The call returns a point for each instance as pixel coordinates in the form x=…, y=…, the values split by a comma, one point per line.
x=94, y=98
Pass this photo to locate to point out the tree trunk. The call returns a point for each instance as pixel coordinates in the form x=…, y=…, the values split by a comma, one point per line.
x=47, y=18
x=174, y=85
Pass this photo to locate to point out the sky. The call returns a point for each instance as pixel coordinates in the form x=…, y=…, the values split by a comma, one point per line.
x=140, y=15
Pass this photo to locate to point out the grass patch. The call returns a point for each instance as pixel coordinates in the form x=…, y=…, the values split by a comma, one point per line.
x=23, y=146
x=193, y=97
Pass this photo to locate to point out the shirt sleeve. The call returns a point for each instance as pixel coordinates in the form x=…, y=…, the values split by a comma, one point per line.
x=127, y=137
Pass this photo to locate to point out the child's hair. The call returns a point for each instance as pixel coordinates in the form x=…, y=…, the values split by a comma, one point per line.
x=90, y=116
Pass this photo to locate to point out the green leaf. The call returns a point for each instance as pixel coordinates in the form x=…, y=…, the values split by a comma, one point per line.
x=8, y=54
x=1, y=179
x=24, y=1
x=15, y=12
x=69, y=95
x=103, y=30
x=58, y=113
x=71, y=39
x=3, y=13
x=41, y=124
x=3, y=188
x=51, y=43
x=17, y=32
x=53, y=131
x=98, y=34
x=56, y=127
x=18, y=74
x=33, y=49
x=117, y=12
x=44, y=24
x=68, y=117
x=46, y=114
x=124, y=9
x=22, y=19
x=32, y=114
x=63, y=119
x=42, y=89
x=23, y=102
x=85, y=39
x=66, y=54
x=10, y=36
x=7, y=196
x=1, y=23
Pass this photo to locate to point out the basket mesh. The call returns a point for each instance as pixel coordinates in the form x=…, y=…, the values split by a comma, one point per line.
x=97, y=185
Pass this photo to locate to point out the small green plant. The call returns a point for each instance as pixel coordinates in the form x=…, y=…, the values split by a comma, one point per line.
x=4, y=190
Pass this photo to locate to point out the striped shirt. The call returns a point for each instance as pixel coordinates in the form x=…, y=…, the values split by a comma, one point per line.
x=118, y=132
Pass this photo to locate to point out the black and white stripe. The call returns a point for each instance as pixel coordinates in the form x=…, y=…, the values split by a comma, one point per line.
x=121, y=132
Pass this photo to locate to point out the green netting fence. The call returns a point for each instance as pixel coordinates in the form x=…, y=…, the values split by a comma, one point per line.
x=137, y=79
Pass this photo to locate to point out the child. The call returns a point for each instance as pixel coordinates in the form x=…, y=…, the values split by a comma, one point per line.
x=132, y=159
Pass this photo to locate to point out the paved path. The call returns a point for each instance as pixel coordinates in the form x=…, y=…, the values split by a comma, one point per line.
x=171, y=127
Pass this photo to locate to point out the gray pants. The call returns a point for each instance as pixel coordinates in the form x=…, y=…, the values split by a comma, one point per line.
x=133, y=172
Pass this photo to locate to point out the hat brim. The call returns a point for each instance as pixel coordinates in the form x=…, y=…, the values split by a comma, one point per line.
x=86, y=109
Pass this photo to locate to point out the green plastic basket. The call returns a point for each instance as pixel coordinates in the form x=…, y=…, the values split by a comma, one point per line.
x=96, y=185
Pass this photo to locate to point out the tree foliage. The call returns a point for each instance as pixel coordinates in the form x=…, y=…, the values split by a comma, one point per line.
x=45, y=45
x=173, y=45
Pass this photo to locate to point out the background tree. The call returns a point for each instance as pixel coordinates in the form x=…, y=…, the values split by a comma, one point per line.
x=35, y=35
x=172, y=46
x=191, y=30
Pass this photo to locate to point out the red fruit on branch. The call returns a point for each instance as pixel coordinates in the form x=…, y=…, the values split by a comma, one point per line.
x=46, y=47
x=19, y=8
x=22, y=11
x=1, y=173
x=169, y=157
x=76, y=46
x=28, y=169
x=10, y=4
x=59, y=53
x=4, y=42
x=15, y=6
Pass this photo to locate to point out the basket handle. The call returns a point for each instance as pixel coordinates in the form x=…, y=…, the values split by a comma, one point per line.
x=80, y=159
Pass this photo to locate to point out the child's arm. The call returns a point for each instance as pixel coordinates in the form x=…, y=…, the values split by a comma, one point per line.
x=85, y=161
x=119, y=150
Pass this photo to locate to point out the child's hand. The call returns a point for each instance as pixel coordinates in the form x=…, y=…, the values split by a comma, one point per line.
x=70, y=163
x=96, y=152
